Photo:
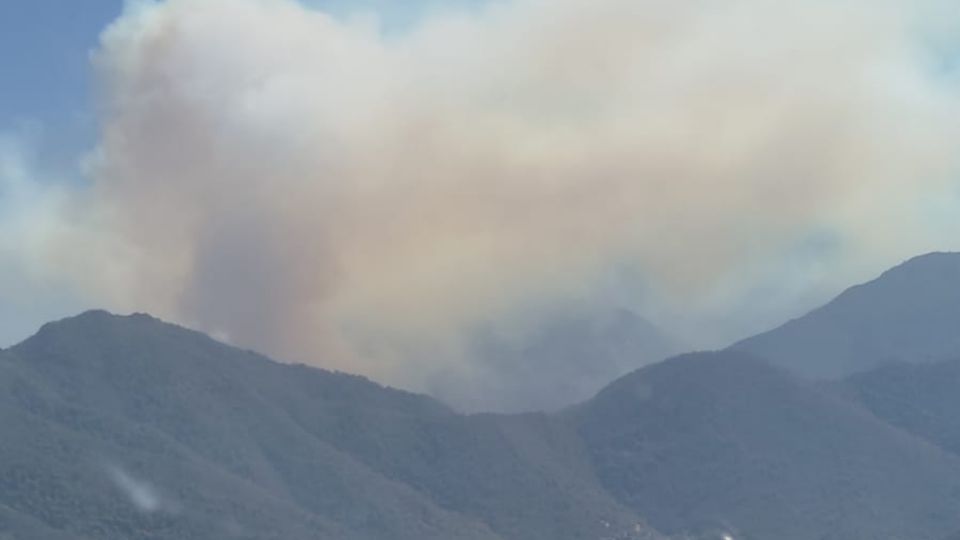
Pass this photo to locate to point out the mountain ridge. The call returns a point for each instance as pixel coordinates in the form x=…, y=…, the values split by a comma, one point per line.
x=130, y=427
x=220, y=428
x=724, y=441
x=907, y=314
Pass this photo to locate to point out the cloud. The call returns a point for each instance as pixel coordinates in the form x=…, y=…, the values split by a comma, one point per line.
x=327, y=193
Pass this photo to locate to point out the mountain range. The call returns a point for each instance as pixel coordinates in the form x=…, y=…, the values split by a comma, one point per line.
x=838, y=425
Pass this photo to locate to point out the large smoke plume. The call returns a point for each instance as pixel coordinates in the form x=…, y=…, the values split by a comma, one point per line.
x=327, y=192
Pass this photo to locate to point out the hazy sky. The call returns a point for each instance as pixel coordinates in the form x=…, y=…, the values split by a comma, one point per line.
x=363, y=186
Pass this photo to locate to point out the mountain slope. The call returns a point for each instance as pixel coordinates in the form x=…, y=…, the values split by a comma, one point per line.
x=130, y=428
x=15, y=525
x=910, y=313
x=98, y=407
x=126, y=427
x=725, y=443
x=922, y=399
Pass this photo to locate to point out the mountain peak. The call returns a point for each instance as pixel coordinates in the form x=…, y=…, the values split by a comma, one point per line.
x=910, y=313
x=929, y=260
x=103, y=329
x=99, y=317
x=939, y=266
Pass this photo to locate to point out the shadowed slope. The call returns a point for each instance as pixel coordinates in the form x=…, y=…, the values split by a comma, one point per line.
x=724, y=442
x=923, y=399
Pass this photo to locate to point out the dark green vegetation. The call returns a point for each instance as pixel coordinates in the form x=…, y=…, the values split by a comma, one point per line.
x=130, y=428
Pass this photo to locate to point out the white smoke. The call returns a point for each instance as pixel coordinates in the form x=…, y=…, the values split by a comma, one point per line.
x=324, y=193
x=32, y=202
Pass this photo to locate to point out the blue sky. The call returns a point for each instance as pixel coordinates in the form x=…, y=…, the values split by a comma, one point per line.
x=46, y=103
x=44, y=48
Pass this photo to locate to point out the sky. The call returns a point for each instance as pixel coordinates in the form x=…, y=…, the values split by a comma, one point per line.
x=44, y=48
x=367, y=186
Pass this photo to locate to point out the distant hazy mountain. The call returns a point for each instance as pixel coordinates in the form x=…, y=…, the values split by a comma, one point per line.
x=723, y=442
x=566, y=360
x=129, y=428
x=909, y=314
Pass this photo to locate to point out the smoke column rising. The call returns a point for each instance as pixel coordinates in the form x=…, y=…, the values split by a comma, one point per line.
x=319, y=190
